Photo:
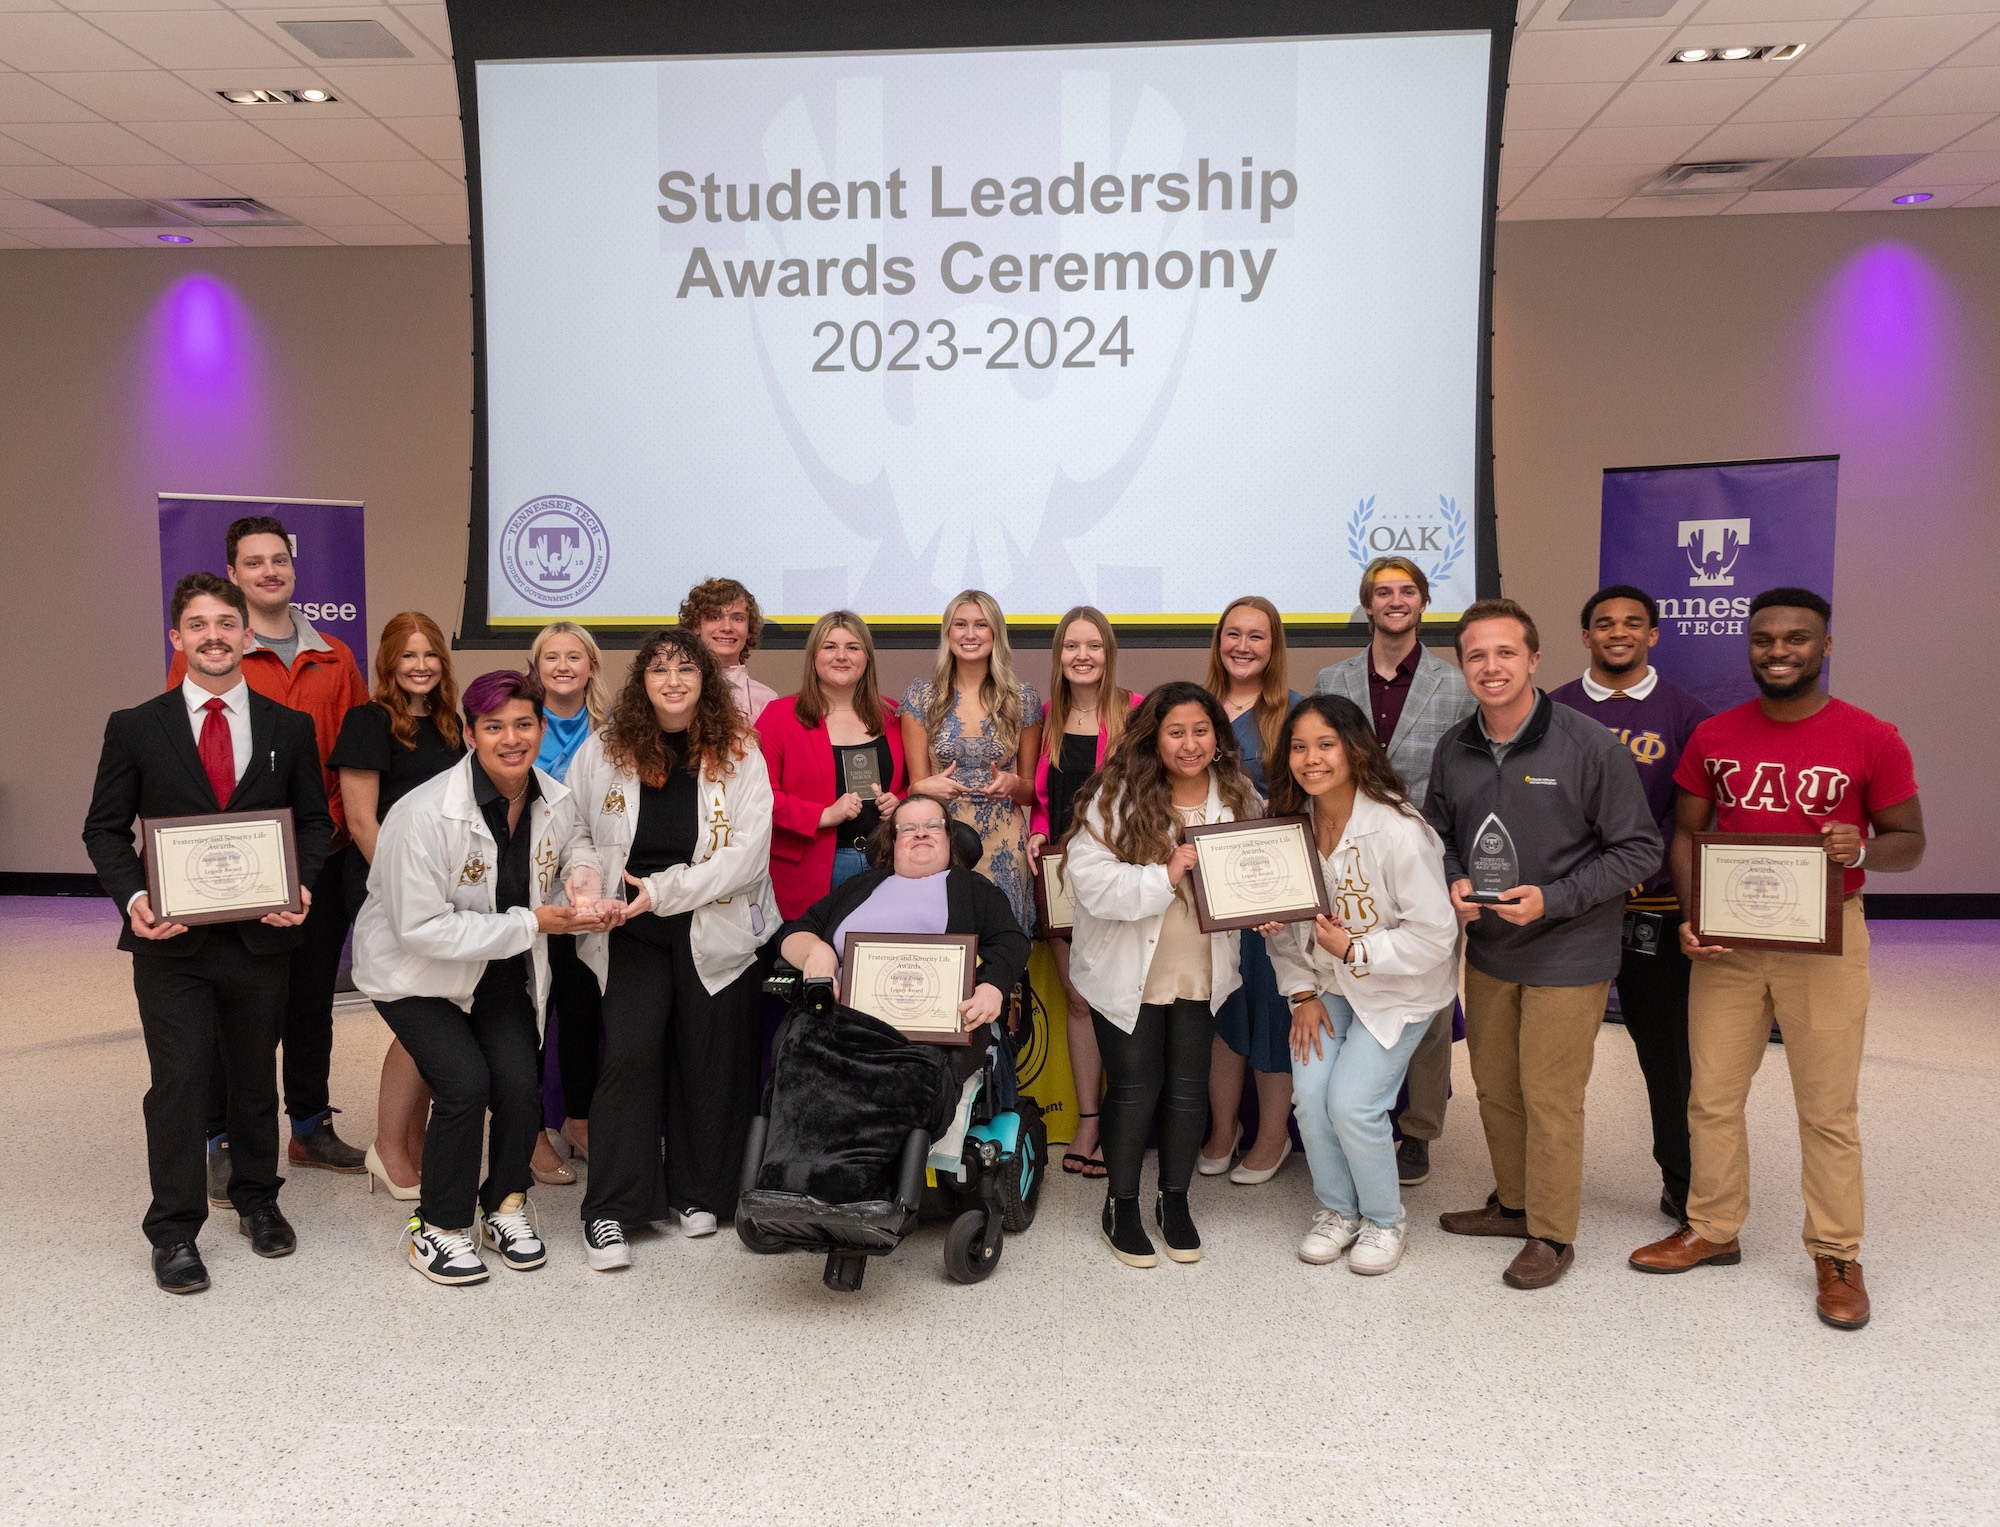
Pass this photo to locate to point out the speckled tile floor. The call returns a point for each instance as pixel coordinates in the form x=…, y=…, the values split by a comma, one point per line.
x=709, y=1385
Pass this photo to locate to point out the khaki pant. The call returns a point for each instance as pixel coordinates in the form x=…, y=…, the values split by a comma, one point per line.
x=1532, y=1048
x=1821, y=1004
x=1429, y=1079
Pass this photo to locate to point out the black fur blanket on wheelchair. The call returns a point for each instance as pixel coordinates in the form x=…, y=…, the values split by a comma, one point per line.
x=846, y=1091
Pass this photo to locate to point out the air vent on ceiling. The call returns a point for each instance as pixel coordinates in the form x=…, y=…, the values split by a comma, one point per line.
x=104, y=212
x=1706, y=176
x=229, y=212
x=1616, y=10
x=1838, y=172
x=346, y=39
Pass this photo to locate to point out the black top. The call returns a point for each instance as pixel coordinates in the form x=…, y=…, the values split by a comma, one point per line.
x=973, y=904
x=510, y=887
x=858, y=831
x=665, y=833
x=367, y=744
x=1074, y=764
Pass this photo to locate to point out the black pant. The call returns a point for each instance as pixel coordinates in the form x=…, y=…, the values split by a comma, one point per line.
x=574, y=995
x=679, y=1065
x=486, y=1059
x=308, y=1016
x=1653, y=999
x=217, y=1009
x=1160, y=1067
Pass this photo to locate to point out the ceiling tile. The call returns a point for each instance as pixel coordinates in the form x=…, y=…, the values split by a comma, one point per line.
x=15, y=241
x=1907, y=42
x=139, y=95
x=13, y=151
x=1660, y=103
x=278, y=238
x=1585, y=54
x=194, y=39
x=392, y=233
x=17, y=213
x=267, y=182
x=439, y=137
x=1955, y=167
x=1883, y=198
x=51, y=180
x=1926, y=7
x=1809, y=98
x=433, y=22
x=1513, y=180
x=1617, y=181
x=399, y=177
x=1555, y=105
x=1527, y=145
x=1525, y=210
x=167, y=180
x=1765, y=140
x=197, y=238
x=1779, y=10
x=426, y=209
x=266, y=18
x=78, y=237
x=1550, y=17
x=332, y=211
x=1983, y=52
x=1712, y=28
x=141, y=5
x=51, y=41
x=1653, y=146
x=88, y=143
x=212, y=142
x=427, y=90
x=1990, y=197
x=29, y=100
x=1987, y=137
x=1902, y=135
x=1948, y=90
x=1789, y=201
x=1674, y=206
x=330, y=142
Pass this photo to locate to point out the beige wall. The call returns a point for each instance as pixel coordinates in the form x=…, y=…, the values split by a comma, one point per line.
x=1617, y=344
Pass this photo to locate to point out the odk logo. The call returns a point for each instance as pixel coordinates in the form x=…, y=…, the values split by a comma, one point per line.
x=1436, y=538
x=554, y=551
x=1712, y=548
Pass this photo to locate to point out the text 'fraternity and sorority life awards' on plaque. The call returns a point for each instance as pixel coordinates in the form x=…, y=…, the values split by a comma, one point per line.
x=913, y=982
x=1766, y=891
x=223, y=867
x=1265, y=870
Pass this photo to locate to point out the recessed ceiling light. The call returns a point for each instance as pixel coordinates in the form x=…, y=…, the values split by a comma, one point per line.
x=242, y=97
x=174, y=238
x=1691, y=56
x=1730, y=55
x=314, y=97
x=1913, y=198
x=1738, y=53
x=310, y=97
x=1787, y=53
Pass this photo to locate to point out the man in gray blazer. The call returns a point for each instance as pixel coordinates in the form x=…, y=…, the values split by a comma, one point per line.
x=1414, y=698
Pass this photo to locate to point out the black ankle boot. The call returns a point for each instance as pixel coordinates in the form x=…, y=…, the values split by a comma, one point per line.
x=1170, y=1212
x=1125, y=1233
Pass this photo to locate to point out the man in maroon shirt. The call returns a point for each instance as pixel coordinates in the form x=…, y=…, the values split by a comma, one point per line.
x=1795, y=760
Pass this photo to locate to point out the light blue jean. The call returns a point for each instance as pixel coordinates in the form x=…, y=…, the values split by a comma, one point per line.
x=848, y=862
x=1342, y=1097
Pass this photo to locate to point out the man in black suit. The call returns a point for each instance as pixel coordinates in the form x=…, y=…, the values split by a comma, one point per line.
x=210, y=744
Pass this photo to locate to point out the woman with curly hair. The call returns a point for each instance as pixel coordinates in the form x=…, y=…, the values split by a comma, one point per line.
x=676, y=811
x=1139, y=958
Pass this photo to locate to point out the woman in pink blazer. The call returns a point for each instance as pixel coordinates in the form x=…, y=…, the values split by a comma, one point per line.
x=1082, y=721
x=835, y=754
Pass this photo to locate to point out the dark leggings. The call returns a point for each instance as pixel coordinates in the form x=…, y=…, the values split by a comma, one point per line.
x=1161, y=1068
x=578, y=1014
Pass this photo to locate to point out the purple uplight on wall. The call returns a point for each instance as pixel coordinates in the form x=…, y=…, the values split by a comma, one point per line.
x=203, y=393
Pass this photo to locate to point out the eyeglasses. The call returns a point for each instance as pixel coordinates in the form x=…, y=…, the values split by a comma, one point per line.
x=919, y=829
x=656, y=672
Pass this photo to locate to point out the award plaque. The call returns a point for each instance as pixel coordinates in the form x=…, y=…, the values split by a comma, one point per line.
x=1766, y=891
x=1055, y=905
x=1494, y=865
x=226, y=867
x=862, y=771
x=913, y=982
x=1265, y=870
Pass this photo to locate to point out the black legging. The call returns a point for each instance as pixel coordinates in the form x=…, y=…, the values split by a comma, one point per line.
x=1160, y=1067
x=573, y=993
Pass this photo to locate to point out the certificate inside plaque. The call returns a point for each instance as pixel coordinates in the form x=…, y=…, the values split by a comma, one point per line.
x=913, y=982
x=1055, y=903
x=1766, y=890
x=225, y=867
x=1261, y=871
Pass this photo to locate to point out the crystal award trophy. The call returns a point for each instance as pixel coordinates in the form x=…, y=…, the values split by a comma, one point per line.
x=1494, y=864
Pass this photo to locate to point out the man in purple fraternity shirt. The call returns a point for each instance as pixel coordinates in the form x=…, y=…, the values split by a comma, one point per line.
x=1654, y=720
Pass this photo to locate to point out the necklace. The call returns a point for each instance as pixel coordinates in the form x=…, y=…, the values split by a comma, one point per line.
x=515, y=799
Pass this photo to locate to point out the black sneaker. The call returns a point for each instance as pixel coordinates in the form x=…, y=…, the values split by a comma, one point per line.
x=1170, y=1213
x=509, y=1231
x=444, y=1256
x=604, y=1245
x=321, y=1147
x=1125, y=1233
x=1413, y=1161
x=219, y=1169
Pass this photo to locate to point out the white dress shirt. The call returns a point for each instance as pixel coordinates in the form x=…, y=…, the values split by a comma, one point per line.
x=236, y=711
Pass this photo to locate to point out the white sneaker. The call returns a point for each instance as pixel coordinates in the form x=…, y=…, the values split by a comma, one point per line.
x=1378, y=1248
x=508, y=1231
x=1332, y=1233
x=444, y=1256
x=697, y=1222
x=604, y=1245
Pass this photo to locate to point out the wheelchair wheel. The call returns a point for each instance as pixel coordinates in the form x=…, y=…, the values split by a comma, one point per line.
x=966, y=1258
x=1021, y=1183
x=757, y=1240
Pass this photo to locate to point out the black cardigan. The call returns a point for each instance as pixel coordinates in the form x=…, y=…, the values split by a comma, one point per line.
x=973, y=904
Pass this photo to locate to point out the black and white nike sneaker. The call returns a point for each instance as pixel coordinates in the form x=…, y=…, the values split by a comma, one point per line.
x=508, y=1231
x=604, y=1245
x=444, y=1256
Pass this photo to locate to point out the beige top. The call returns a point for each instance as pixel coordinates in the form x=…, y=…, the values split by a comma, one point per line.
x=1180, y=969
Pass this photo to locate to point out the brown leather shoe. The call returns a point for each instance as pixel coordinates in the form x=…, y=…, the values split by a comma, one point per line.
x=1843, y=1298
x=1485, y=1220
x=1537, y=1265
x=1683, y=1250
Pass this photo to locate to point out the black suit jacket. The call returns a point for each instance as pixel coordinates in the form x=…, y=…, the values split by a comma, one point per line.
x=150, y=767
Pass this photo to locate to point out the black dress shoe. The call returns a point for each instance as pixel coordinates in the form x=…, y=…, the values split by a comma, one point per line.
x=1675, y=1209
x=269, y=1231
x=178, y=1268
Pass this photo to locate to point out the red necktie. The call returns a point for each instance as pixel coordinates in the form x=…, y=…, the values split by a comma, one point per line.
x=217, y=755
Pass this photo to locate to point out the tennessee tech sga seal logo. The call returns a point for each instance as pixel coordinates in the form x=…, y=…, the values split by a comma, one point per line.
x=554, y=551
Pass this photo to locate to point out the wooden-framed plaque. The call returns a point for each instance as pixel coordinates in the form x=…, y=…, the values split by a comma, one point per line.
x=1265, y=870
x=913, y=982
x=224, y=867
x=1766, y=890
x=1055, y=903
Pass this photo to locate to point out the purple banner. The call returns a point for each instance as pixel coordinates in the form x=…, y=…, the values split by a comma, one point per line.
x=328, y=553
x=1704, y=541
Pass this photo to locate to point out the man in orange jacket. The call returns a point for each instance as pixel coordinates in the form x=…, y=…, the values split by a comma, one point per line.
x=310, y=671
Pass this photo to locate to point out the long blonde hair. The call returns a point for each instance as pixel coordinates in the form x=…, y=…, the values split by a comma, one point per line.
x=596, y=694
x=1113, y=702
x=1000, y=695
x=1276, y=699
x=810, y=703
